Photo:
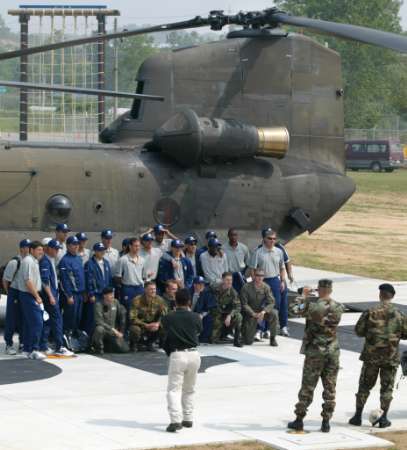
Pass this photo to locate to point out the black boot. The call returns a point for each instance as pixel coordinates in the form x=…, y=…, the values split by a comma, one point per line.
x=273, y=342
x=325, y=427
x=297, y=424
x=384, y=422
x=173, y=427
x=356, y=420
x=237, y=342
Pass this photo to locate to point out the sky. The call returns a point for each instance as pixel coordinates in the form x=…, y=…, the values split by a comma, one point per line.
x=156, y=11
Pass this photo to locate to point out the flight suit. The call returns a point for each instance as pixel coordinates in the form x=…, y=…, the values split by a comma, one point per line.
x=107, y=318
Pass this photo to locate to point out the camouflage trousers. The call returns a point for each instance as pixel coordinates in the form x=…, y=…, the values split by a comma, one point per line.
x=367, y=380
x=219, y=323
x=102, y=339
x=249, y=327
x=139, y=335
x=315, y=367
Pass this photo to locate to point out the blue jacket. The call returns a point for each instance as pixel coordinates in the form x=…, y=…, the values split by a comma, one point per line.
x=72, y=274
x=166, y=270
x=48, y=275
x=198, y=253
x=206, y=302
x=96, y=281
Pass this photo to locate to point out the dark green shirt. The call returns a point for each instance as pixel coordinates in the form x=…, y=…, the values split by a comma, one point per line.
x=181, y=330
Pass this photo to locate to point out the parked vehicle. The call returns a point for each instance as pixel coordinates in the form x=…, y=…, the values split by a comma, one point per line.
x=376, y=155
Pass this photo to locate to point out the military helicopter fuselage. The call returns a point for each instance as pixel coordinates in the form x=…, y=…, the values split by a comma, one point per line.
x=129, y=183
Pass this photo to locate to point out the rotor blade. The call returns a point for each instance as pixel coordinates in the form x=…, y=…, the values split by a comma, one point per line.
x=194, y=23
x=362, y=34
x=82, y=91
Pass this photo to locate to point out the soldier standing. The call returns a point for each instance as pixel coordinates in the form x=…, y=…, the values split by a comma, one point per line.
x=227, y=313
x=382, y=327
x=146, y=313
x=258, y=306
x=321, y=349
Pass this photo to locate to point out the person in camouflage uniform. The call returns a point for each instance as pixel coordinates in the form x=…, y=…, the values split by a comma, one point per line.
x=146, y=312
x=382, y=327
x=258, y=306
x=110, y=324
x=227, y=312
x=321, y=349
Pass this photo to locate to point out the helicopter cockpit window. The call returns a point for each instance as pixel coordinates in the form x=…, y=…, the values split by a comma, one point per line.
x=177, y=123
x=135, y=109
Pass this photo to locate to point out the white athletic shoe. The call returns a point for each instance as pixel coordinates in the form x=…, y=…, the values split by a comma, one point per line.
x=48, y=351
x=10, y=350
x=63, y=352
x=36, y=355
x=25, y=354
x=284, y=332
x=257, y=337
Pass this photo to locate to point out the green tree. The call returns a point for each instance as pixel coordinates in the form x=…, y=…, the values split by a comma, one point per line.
x=371, y=74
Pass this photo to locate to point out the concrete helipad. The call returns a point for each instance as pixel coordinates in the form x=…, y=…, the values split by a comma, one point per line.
x=243, y=394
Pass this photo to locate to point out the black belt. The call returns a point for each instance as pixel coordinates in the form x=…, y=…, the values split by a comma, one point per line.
x=194, y=349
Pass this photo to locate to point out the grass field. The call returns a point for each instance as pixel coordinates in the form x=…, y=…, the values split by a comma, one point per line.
x=368, y=236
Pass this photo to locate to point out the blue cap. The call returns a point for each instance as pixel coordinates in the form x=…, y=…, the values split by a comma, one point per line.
x=210, y=234
x=159, y=228
x=199, y=280
x=53, y=243
x=99, y=247
x=72, y=240
x=177, y=243
x=266, y=230
x=147, y=237
x=191, y=240
x=25, y=243
x=213, y=242
x=62, y=227
x=125, y=242
x=81, y=236
x=107, y=234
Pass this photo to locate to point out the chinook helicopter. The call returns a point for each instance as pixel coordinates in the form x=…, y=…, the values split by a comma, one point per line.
x=246, y=131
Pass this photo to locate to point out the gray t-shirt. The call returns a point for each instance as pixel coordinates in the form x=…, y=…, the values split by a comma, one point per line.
x=30, y=270
x=130, y=270
x=10, y=272
x=238, y=256
x=269, y=260
x=151, y=261
x=112, y=255
x=213, y=267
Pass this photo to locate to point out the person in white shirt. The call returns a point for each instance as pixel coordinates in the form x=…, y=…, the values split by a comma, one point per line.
x=214, y=262
x=83, y=252
x=112, y=254
x=61, y=234
x=151, y=257
x=162, y=237
x=237, y=255
x=30, y=285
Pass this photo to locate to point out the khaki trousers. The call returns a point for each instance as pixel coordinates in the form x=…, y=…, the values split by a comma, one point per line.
x=182, y=372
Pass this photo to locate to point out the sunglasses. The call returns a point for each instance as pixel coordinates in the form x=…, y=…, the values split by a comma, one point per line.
x=271, y=239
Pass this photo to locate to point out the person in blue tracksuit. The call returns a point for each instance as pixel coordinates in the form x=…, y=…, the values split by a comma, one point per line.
x=98, y=275
x=209, y=235
x=14, y=314
x=203, y=301
x=174, y=266
x=29, y=286
x=72, y=278
x=50, y=297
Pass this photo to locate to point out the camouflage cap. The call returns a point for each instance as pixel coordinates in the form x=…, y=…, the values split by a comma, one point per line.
x=387, y=287
x=325, y=283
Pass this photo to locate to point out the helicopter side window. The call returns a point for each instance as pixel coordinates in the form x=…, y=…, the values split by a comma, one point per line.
x=135, y=109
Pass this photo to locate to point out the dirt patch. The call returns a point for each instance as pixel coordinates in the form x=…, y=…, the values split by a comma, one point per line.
x=367, y=236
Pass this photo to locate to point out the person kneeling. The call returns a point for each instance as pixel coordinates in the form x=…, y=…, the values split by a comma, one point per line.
x=110, y=323
x=146, y=312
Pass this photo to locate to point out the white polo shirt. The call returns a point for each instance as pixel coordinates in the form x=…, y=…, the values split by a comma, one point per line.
x=130, y=270
x=112, y=255
x=10, y=274
x=30, y=270
x=151, y=261
x=271, y=261
x=238, y=257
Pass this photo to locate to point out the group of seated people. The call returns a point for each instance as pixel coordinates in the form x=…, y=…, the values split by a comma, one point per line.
x=57, y=289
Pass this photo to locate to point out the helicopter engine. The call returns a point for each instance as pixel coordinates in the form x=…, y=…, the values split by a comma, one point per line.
x=189, y=139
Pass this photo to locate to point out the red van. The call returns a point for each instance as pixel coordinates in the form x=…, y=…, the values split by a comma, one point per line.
x=376, y=155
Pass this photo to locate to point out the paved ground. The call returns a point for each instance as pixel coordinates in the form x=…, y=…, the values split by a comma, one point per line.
x=243, y=394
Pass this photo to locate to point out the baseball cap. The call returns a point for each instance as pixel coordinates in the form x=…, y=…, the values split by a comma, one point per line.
x=81, y=236
x=147, y=237
x=177, y=243
x=199, y=280
x=53, y=243
x=266, y=230
x=72, y=240
x=46, y=240
x=62, y=227
x=387, y=287
x=99, y=247
x=210, y=234
x=25, y=243
x=107, y=234
x=213, y=242
x=190, y=240
x=159, y=228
